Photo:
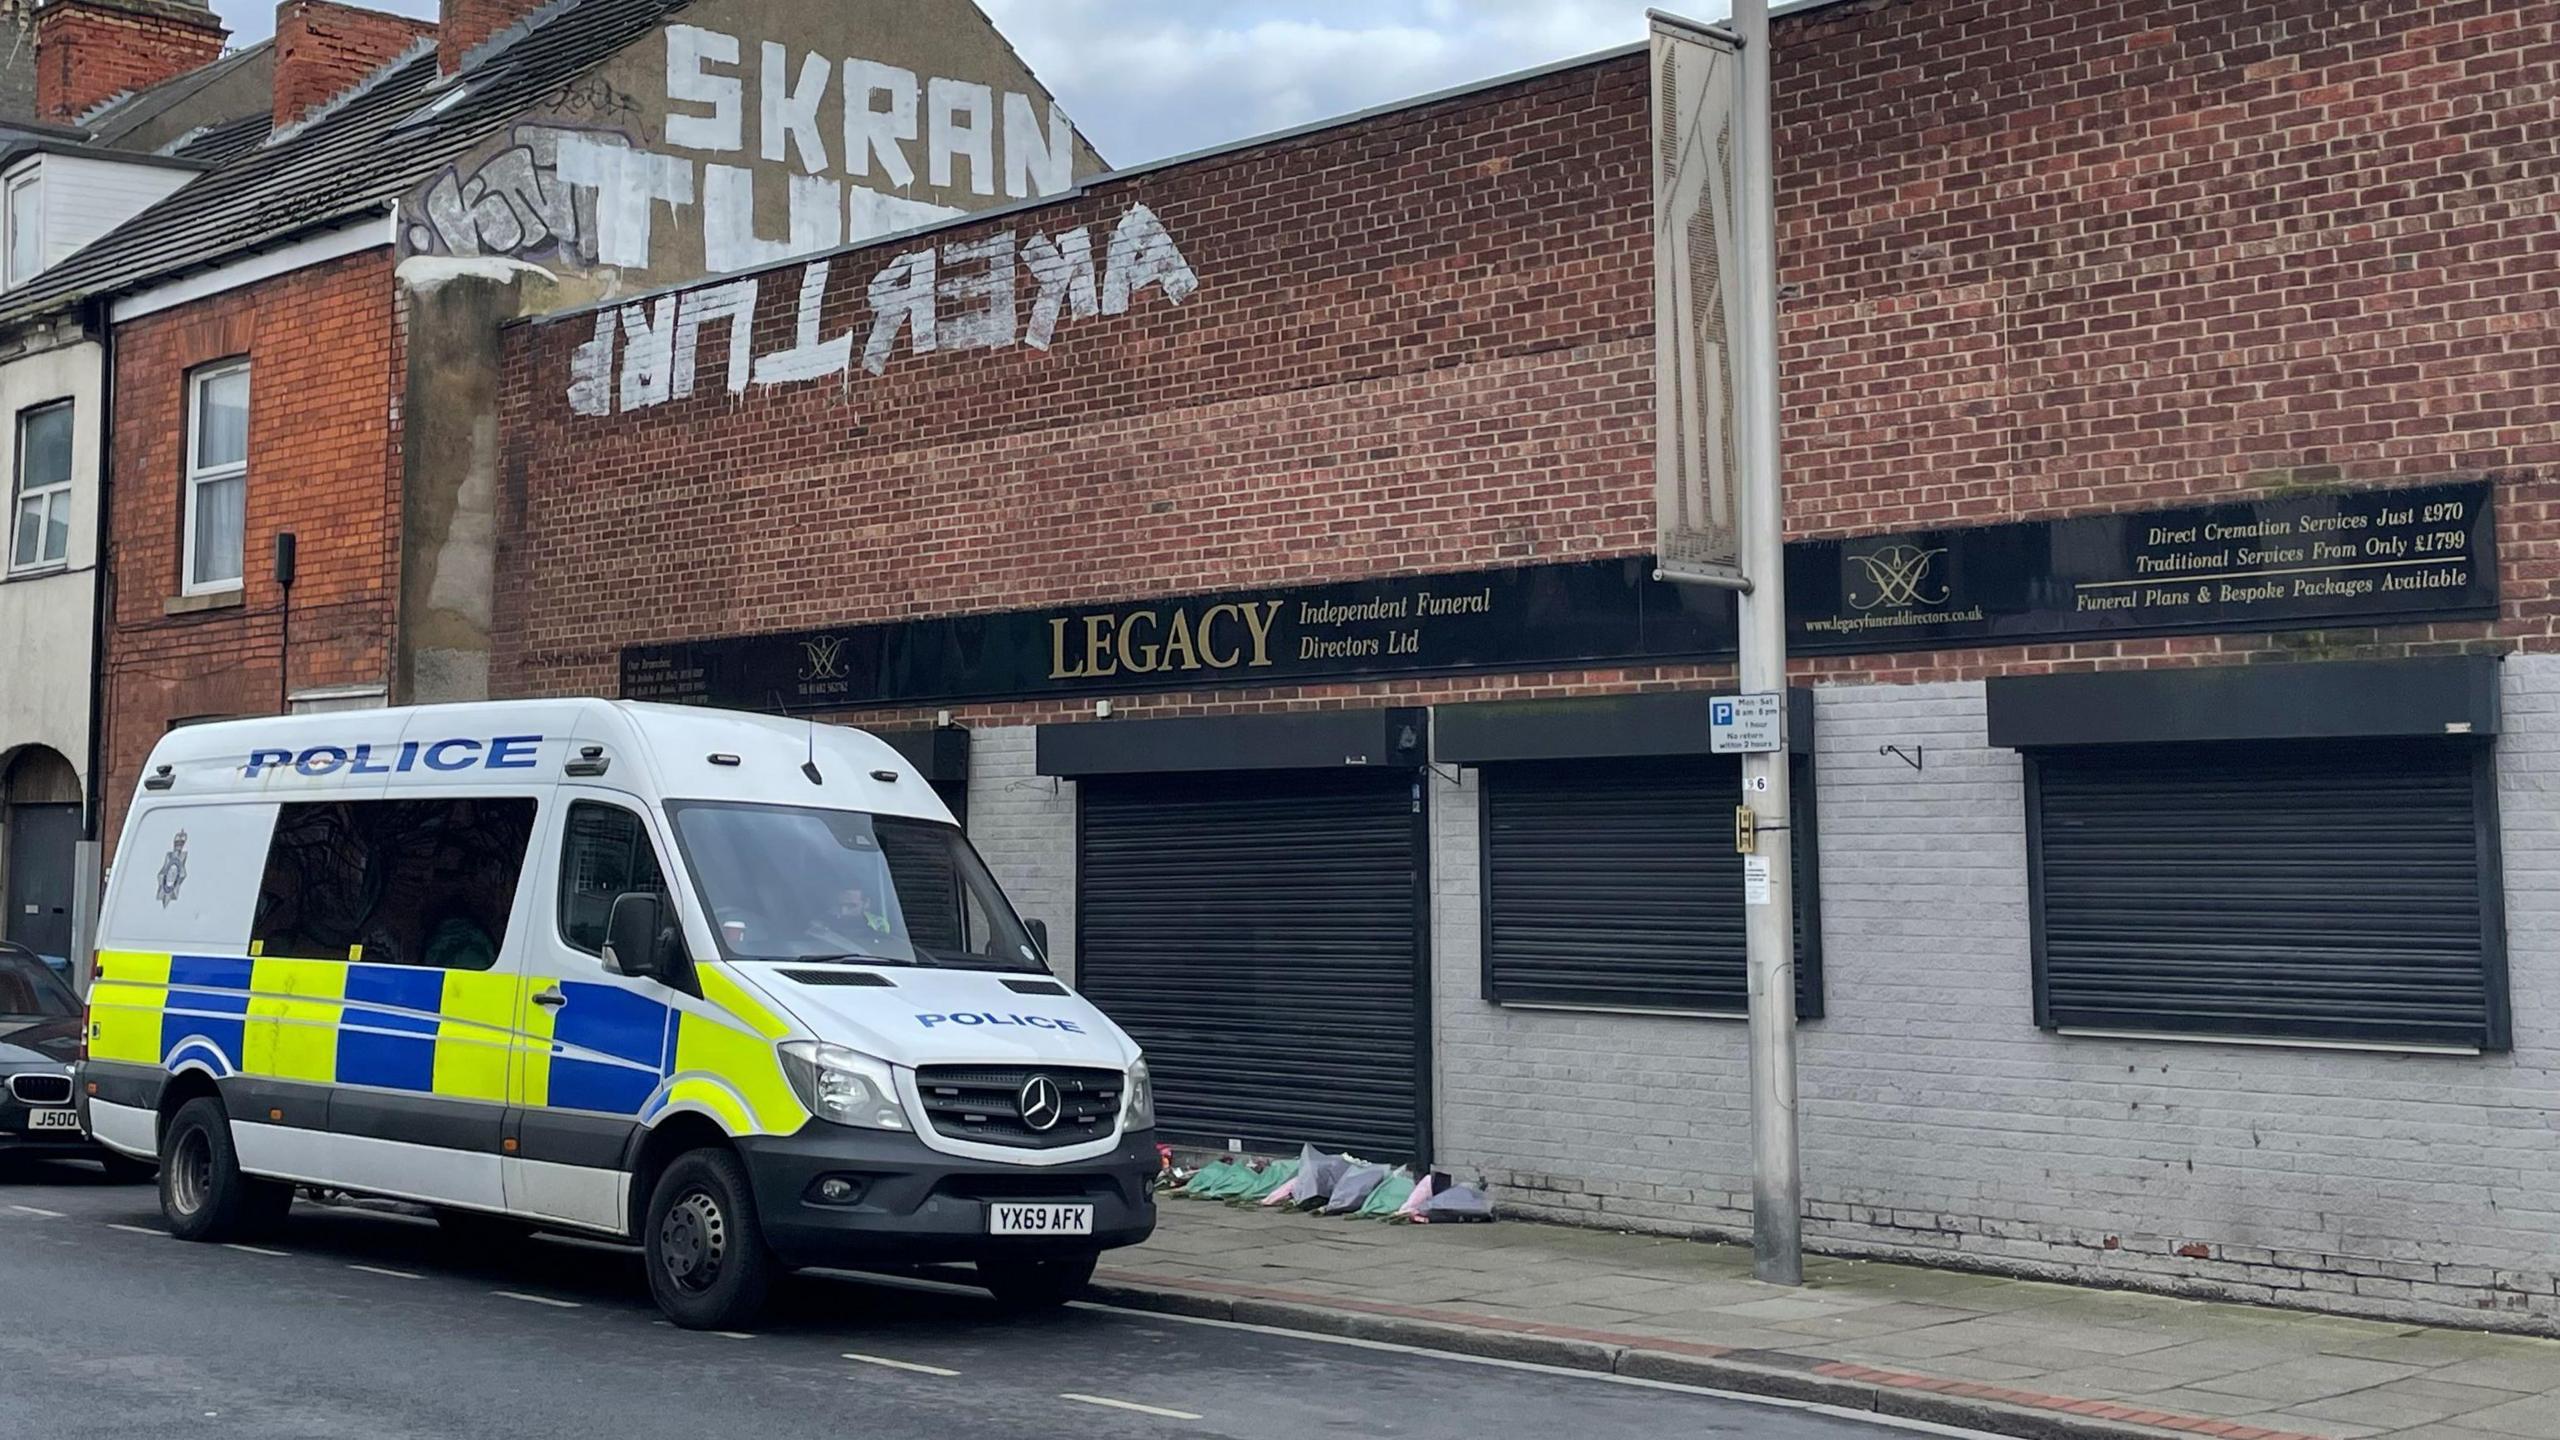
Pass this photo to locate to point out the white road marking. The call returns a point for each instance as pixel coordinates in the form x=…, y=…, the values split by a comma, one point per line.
x=733, y=1334
x=394, y=1274
x=258, y=1250
x=1774, y=1402
x=137, y=1229
x=886, y=1363
x=537, y=1299
x=1109, y=1403
x=34, y=1210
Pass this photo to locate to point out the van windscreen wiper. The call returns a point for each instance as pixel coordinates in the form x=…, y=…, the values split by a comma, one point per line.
x=849, y=957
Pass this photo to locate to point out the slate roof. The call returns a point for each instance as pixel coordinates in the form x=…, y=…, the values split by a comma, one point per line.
x=214, y=144
x=111, y=124
x=353, y=156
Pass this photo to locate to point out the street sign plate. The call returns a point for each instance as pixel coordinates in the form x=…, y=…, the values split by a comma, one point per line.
x=1746, y=724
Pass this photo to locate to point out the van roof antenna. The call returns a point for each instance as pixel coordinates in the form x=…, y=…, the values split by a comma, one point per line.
x=809, y=767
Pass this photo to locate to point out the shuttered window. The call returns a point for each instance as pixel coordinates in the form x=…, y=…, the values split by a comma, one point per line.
x=1260, y=934
x=2328, y=891
x=1614, y=884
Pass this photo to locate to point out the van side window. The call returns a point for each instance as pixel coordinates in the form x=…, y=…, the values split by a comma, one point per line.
x=393, y=882
x=604, y=853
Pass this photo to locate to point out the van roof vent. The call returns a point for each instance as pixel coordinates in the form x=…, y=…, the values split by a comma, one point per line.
x=1035, y=987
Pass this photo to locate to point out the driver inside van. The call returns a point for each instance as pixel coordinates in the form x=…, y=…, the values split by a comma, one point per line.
x=856, y=916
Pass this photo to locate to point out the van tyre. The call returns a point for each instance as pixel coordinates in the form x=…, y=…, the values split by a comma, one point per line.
x=1025, y=1284
x=203, y=1194
x=707, y=1262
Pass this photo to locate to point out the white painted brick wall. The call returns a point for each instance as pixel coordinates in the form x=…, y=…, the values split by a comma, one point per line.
x=1024, y=824
x=1939, y=1122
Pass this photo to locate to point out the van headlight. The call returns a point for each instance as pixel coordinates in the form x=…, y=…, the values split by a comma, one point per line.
x=845, y=1086
x=1138, y=1109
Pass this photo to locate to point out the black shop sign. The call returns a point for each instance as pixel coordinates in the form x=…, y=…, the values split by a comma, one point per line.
x=2291, y=562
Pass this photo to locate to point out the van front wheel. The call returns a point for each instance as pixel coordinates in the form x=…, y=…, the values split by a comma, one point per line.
x=708, y=1265
x=203, y=1194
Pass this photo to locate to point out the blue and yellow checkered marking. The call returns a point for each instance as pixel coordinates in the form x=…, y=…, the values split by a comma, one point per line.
x=608, y=1050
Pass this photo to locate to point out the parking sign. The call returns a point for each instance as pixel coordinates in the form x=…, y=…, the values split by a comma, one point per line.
x=1746, y=724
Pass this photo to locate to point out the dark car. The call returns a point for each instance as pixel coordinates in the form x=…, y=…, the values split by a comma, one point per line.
x=39, y=1041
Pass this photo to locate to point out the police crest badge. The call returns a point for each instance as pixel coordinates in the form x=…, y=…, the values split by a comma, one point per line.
x=173, y=869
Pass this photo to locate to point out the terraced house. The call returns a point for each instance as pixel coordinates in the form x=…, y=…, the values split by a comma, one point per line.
x=106, y=107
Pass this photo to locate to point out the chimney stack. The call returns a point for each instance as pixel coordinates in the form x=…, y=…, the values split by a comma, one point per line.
x=465, y=25
x=323, y=49
x=88, y=51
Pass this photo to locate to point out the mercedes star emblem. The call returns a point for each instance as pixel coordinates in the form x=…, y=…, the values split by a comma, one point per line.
x=1042, y=1106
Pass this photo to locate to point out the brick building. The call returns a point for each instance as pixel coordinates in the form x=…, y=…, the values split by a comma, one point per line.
x=1260, y=543
x=299, y=343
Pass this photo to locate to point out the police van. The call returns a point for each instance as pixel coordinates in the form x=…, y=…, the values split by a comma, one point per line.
x=731, y=987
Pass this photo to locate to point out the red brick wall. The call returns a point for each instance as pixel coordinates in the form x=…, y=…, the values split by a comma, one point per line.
x=323, y=49
x=465, y=24
x=320, y=344
x=2038, y=261
x=92, y=50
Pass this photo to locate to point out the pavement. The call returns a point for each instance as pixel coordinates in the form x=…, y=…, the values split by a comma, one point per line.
x=2009, y=1356
x=350, y=1321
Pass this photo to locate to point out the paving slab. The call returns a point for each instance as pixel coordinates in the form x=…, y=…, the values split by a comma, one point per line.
x=2309, y=1424
x=2315, y=1377
x=2404, y=1403
x=2537, y=1418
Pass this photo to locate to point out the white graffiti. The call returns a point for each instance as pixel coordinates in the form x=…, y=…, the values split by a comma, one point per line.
x=965, y=294
x=595, y=196
x=515, y=202
x=879, y=115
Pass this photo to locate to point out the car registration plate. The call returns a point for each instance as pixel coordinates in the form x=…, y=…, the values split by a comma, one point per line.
x=1039, y=1219
x=53, y=1120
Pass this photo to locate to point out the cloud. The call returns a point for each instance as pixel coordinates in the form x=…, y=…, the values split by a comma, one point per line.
x=1149, y=78
x=254, y=20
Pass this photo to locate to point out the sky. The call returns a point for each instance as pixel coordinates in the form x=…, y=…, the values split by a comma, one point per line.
x=1145, y=79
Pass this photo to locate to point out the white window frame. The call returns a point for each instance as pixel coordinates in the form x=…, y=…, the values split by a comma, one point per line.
x=54, y=495
x=29, y=179
x=199, y=476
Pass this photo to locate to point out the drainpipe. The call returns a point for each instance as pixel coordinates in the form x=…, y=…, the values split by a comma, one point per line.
x=88, y=865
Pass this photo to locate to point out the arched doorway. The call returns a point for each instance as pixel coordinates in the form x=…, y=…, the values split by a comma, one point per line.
x=40, y=810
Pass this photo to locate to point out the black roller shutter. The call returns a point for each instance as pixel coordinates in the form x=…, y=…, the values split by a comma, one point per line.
x=1258, y=933
x=2333, y=890
x=1615, y=884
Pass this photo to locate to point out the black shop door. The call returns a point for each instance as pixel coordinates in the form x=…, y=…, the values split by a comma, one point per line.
x=42, y=839
x=1262, y=935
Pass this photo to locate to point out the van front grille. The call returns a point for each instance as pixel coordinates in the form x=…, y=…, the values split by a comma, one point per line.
x=984, y=1103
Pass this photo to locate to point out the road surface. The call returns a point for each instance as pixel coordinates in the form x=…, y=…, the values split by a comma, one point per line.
x=353, y=1322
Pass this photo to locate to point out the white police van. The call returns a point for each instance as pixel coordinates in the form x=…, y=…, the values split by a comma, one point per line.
x=732, y=987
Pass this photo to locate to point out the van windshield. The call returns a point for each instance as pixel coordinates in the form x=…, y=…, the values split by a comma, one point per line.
x=783, y=882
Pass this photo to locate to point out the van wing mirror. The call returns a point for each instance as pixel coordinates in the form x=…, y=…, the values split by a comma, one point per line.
x=1039, y=935
x=638, y=941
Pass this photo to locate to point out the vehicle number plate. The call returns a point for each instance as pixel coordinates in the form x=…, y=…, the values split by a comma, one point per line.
x=53, y=1120
x=1039, y=1219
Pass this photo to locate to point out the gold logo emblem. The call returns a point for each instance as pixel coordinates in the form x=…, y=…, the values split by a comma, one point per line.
x=1899, y=576
x=825, y=659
